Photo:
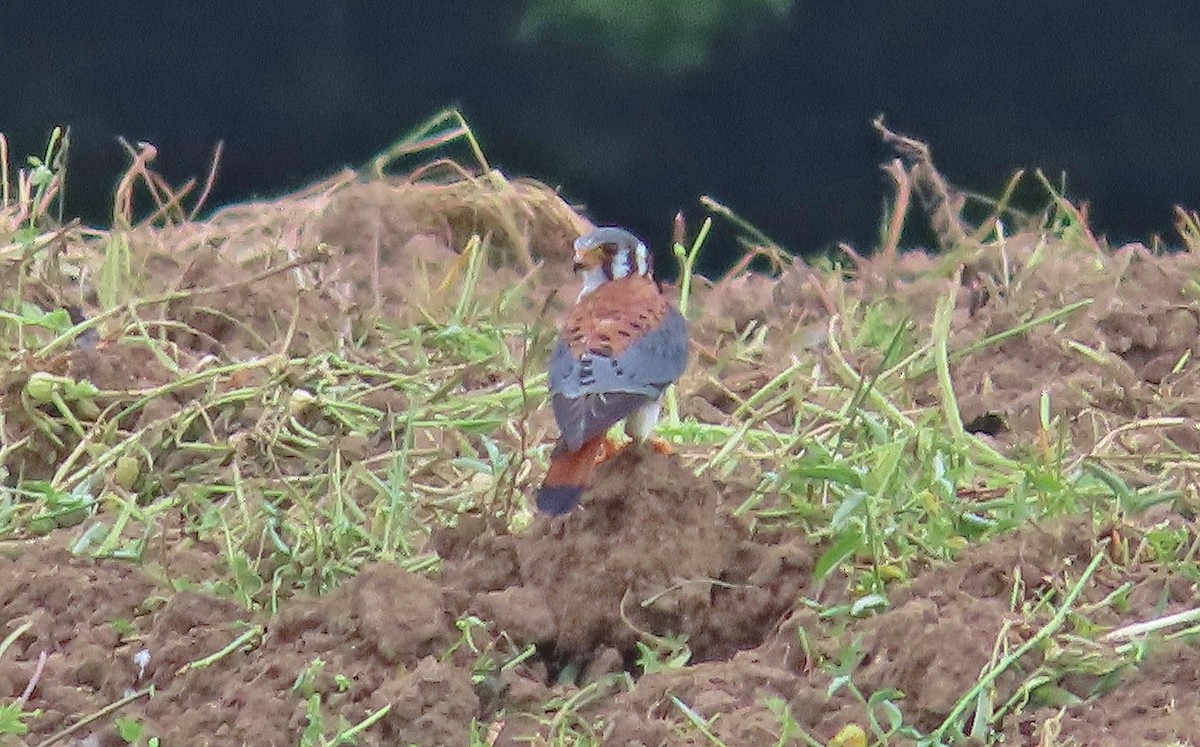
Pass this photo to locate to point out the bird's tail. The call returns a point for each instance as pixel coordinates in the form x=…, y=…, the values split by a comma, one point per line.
x=568, y=476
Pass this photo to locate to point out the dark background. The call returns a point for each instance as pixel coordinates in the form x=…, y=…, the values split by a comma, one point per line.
x=775, y=121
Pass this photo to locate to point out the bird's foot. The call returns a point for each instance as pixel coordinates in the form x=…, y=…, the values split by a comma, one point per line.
x=608, y=449
x=661, y=446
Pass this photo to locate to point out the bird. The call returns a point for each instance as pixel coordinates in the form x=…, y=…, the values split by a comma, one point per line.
x=620, y=347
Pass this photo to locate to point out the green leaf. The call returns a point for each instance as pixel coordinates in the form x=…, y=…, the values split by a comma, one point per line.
x=826, y=471
x=887, y=462
x=835, y=684
x=842, y=548
x=41, y=176
x=12, y=719
x=1055, y=696
x=867, y=603
x=848, y=508
x=130, y=729
x=25, y=236
x=895, y=718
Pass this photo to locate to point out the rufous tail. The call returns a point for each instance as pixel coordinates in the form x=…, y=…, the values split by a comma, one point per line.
x=568, y=476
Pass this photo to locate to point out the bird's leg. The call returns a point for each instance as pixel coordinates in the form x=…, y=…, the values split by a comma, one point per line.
x=640, y=427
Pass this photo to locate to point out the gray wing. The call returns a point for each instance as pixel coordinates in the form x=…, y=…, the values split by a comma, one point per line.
x=595, y=392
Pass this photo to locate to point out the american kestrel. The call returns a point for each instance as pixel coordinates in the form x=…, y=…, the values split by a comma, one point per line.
x=620, y=348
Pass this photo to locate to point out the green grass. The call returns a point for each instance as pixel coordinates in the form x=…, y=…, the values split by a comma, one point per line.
x=294, y=467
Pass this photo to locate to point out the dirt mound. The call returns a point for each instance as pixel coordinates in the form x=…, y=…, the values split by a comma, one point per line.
x=652, y=554
x=941, y=631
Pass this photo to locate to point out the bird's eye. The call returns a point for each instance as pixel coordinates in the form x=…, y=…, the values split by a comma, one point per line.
x=609, y=249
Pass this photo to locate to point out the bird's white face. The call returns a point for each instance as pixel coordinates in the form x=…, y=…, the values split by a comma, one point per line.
x=610, y=254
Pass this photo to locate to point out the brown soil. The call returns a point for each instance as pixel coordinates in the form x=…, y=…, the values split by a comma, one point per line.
x=651, y=554
x=654, y=557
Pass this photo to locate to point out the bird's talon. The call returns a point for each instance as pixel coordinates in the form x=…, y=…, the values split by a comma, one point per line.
x=608, y=449
x=661, y=446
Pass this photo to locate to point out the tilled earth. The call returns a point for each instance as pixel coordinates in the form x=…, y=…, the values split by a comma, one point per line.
x=656, y=554
x=577, y=589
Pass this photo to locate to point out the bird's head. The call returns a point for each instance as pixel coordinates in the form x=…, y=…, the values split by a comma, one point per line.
x=610, y=254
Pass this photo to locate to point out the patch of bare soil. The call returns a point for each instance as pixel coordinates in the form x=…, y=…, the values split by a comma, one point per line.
x=379, y=637
x=379, y=641
x=72, y=658
x=652, y=552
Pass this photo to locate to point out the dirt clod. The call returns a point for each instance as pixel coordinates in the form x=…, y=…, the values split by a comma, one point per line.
x=642, y=554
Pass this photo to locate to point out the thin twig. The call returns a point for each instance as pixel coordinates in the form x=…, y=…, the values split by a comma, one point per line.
x=106, y=710
x=209, y=182
x=33, y=679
